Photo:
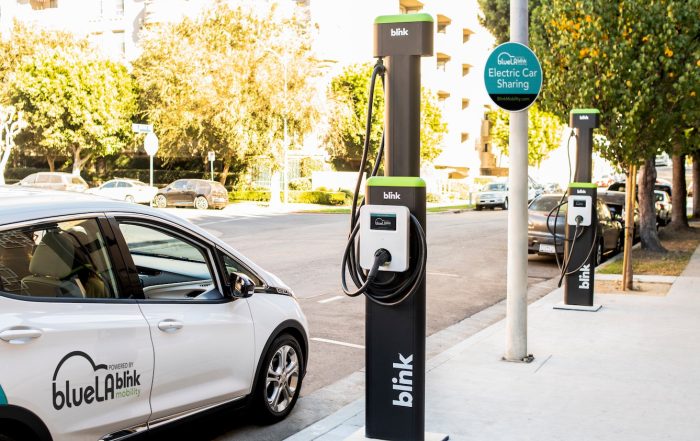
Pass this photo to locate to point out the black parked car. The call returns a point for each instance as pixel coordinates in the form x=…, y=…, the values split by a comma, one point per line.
x=541, y=241
x=615, y=200
x=659, y=185
x=198, y=193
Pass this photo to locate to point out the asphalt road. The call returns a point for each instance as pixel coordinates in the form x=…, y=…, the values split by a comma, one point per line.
x=465, y=274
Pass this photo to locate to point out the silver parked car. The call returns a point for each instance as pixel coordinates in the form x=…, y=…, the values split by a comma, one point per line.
x=55, y=181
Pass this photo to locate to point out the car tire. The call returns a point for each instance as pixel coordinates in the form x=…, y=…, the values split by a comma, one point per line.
x=505, y=204
x=130, y=199
x=160, y=201
x=201, y=203
x=598, y=258
x=479, y=207
x=620, y=243
x=283, y=365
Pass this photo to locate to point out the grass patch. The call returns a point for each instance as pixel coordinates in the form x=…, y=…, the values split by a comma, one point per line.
x=448, y=208
x=680, y=245
x=346, y=210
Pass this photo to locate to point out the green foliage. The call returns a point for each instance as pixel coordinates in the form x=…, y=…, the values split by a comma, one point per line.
x=300, y=184
x=298, y=197
x=349, y=95
x=75, y=103
x=637, y=62
x=496, y=17
x=544, y=130
x=217, y=83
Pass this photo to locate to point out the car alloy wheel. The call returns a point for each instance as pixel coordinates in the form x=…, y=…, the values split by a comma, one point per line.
x=129, y=198
x=201, y=203
x=505, y=204
x=161, y=202
x=599, y=254
x=279, y=381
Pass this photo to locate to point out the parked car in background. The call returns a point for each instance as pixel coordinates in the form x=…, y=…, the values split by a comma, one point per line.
x=662, y=159
x=495, y=194
x=659, y=185
x=615, y=201
x=540, y=240
x=129, y=190
x=198, y=193
x=663, y=207
x=55, y=181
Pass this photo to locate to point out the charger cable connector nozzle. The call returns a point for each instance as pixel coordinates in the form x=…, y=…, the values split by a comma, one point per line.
x=381, y=257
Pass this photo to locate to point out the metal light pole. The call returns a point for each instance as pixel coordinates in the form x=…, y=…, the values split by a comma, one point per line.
x=516, y=298
x=285, y=178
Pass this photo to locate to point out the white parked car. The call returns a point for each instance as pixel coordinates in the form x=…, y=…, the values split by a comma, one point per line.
x=116, y=318
x=495, y=194
x=129, y=190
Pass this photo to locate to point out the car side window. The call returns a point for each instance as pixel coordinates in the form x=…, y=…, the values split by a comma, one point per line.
x=41, y=179
x=169, y=266
x=234, y=266
x=53, y=179
x=110, y=185
x=29, y=179
x=64, y=259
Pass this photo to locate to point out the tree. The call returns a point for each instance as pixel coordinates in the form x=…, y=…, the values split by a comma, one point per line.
x=495, y=16
x=76, y=104
x=349, y=95
x=11, y=123
x=543, y=133
x=216, y=83
x=628, y=59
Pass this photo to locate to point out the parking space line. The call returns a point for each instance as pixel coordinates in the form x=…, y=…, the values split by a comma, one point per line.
x=332, y=299
x=339, y=343
x=433, y=273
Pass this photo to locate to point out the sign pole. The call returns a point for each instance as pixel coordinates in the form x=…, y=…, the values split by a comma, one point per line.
x=150, y=157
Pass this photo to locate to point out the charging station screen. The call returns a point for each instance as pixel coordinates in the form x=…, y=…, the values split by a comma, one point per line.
x=579, y=203
x=382, y=221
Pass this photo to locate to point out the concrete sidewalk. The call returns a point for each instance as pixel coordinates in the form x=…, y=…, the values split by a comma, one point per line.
x=630, y=371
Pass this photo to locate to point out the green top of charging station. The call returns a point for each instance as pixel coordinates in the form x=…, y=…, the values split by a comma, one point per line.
x=395, y=181
x=403, y=18
x=582, y=185
x=584, y=111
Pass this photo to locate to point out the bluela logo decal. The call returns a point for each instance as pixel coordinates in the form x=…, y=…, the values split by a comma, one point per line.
x=110, y=382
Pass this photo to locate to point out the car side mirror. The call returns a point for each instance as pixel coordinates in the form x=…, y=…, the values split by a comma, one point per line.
x=241, y=285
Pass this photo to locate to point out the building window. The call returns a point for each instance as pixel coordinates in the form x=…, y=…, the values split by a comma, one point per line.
x=119, y=8
x=442, y=60
x=410, y=6
x=466, y=34
x=465, y=103
x=466, y=68
x=442, y=23
x=43, y=4
x=465, y=137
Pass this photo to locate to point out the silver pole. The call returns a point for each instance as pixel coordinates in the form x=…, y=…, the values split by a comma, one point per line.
x=516, y=300
x=212, y=170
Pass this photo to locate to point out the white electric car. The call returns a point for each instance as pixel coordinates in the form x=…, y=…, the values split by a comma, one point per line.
x=117, y=318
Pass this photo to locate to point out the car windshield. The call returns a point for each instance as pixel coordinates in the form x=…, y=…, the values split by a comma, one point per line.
x=659, y=196
x=495, y=187
x=547, y=204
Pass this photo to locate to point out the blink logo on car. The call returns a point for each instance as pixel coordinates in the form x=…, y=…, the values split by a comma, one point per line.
x=119, y=380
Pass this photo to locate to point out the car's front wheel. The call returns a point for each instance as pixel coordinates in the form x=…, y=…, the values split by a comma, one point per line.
x=129, y=198
x=160, y=201
x=280, y=380
x=201, y=203
x=505, y=204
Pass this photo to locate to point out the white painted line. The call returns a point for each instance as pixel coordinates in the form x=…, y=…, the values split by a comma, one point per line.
x=332, y=299
x=339, y=343
x=433, y=273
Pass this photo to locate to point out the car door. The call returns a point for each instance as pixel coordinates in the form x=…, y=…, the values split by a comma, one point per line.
x=173, y=192
x=109, y=189
x=203, y=339
x=75, y=348
x=609, y=227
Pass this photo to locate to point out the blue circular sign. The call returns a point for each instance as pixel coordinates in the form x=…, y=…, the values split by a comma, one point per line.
x=513, y=76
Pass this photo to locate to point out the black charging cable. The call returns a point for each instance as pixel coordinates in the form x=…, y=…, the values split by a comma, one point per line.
x=395, y=288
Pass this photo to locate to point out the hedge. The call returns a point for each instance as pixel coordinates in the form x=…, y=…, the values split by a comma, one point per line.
x=300, y=197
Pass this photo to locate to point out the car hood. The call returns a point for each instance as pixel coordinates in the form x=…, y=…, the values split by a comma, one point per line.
x=537, y=222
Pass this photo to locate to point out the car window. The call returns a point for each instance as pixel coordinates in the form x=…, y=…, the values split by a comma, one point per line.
x=42, y=178
x=169, y=266
x=203, y=188
x=603, y=212
x=29, y=179
x=179, y=185
x=495, y=187
x=65, y=259
x=546, y=204
x=110, y=184
x=55, y=179
x=122, y=184
x=233, y=266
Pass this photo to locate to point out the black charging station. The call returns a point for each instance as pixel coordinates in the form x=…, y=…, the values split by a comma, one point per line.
x=582, y=240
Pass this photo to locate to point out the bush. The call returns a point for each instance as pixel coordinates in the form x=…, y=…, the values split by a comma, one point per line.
x=300, y=184
x=250, y=195
x=432, y=197
x=299, y=197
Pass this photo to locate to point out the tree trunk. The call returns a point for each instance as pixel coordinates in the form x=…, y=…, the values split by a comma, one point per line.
x=627, y=273
x=3, y=162
x=679, y=213
x=647, y=211
x=696, y=185
x=78, y=162
x=52, y=162
x=224, y=172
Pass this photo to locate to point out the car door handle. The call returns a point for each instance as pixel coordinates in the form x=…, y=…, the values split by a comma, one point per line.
x=20, y=336
x=170, y=325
